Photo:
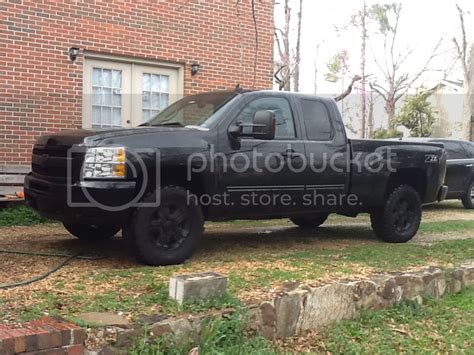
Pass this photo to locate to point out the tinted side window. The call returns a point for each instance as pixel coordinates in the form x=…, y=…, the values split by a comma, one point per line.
x=469, y=149
x=317, y=121
x=285, y=125
x=454, y=150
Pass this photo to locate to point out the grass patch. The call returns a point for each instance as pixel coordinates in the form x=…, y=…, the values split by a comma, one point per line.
x=144, y=290
x=446, y=226
x=221, y=336
x=48, y=304
x=20, y=216
x=439, y=326
x=255, y=263
x=389, y=257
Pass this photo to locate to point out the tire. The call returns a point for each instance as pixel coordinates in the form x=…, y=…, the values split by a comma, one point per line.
x=400, y=218
x=468, y=199
x=167, y=234
x=312, y=221
x=90, y=232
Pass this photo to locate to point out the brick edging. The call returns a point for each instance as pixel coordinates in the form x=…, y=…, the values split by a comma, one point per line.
x=46, y=335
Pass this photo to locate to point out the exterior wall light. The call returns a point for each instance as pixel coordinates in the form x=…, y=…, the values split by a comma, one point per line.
x=73, y=53
x=195, y=68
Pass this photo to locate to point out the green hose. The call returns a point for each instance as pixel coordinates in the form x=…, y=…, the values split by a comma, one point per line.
x=47, y=273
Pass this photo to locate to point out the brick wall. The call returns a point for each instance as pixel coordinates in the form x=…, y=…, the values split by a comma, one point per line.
x=44, y=336
x=41, y=89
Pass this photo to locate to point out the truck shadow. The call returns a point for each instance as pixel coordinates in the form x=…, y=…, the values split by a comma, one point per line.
x=215, y=245
x=283, y=238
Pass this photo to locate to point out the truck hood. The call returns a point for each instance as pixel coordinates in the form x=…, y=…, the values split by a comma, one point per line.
x=93, y=137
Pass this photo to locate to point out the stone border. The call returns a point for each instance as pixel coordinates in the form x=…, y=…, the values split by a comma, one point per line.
x=309, y=308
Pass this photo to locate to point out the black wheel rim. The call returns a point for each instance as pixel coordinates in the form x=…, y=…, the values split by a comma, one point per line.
x=472, y=194
x=404, y=215
x=169, y=226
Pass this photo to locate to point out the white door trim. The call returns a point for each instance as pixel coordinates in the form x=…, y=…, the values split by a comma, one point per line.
x=150, y=62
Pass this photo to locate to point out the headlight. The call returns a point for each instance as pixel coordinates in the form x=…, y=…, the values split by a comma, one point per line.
x=105, y=163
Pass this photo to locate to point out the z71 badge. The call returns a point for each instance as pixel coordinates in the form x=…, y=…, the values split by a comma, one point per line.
x=431, y=158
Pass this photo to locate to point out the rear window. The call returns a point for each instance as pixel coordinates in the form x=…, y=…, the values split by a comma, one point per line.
x=469, y=147
x=455, y=150
x=317, y=121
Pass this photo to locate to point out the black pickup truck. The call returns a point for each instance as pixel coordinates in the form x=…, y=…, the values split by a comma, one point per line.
x=229, y=155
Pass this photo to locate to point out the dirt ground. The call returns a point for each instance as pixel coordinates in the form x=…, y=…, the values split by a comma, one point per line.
x=244, y=250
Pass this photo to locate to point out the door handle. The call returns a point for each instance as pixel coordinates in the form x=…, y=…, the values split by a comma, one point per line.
x=289, y=153
x=469, y=165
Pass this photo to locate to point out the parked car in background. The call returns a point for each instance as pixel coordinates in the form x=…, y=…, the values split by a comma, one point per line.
x=460, y=169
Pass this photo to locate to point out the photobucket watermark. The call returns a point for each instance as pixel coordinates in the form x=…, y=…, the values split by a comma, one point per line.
x=260, y=161
x=273, y=199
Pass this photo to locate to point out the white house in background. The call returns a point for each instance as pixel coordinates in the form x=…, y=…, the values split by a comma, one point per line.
x=447, y=102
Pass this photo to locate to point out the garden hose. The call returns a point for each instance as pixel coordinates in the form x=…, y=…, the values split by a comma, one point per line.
x=52, y=270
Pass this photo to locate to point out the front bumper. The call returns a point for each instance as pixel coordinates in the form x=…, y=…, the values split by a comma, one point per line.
x=443, y=192
x=88, y=202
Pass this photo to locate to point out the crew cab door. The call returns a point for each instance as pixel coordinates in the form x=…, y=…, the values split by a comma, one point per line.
x=327, y=153
x=256, y=173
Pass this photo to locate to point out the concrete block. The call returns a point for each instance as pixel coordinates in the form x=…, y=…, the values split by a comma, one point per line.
x=196, y=287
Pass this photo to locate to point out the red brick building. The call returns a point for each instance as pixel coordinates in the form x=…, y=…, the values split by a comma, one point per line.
x=134, y=58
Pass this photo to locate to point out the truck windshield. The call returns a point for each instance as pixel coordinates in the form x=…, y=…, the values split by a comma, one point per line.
x=197, y=110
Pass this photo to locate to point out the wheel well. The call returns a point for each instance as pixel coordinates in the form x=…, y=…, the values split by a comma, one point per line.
x=178, y=176
x=410, y=176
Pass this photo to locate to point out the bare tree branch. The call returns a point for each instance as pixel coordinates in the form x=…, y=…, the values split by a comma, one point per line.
x=398, y=9
x=349, y=88
x=461, y=49
x=379, y=90
x=277, y=39
x=283, y=66
x=433, y=55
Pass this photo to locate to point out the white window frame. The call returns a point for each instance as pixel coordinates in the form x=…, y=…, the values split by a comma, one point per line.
x=132, y=71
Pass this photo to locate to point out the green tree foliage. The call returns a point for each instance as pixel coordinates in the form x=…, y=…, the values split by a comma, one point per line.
x=417, y=115
x=387, y=133
x=337, y=66
x=386, y=16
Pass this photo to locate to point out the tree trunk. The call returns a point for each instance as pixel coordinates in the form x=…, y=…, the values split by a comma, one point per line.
x=370, y=117
x=316, y=70
x=362, y=133
x=286, y=44
x=390, y=110
x=296, y=73
x=468, y=109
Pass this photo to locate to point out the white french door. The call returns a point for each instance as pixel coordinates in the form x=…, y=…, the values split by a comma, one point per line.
x=155, y=88
x=106, y=94
x=117, y=94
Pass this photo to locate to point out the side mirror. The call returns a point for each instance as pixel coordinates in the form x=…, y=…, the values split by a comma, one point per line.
x=264, y=125
x=236, y=130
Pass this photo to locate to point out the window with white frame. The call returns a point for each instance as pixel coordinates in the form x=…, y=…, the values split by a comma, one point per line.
x=120, y=94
